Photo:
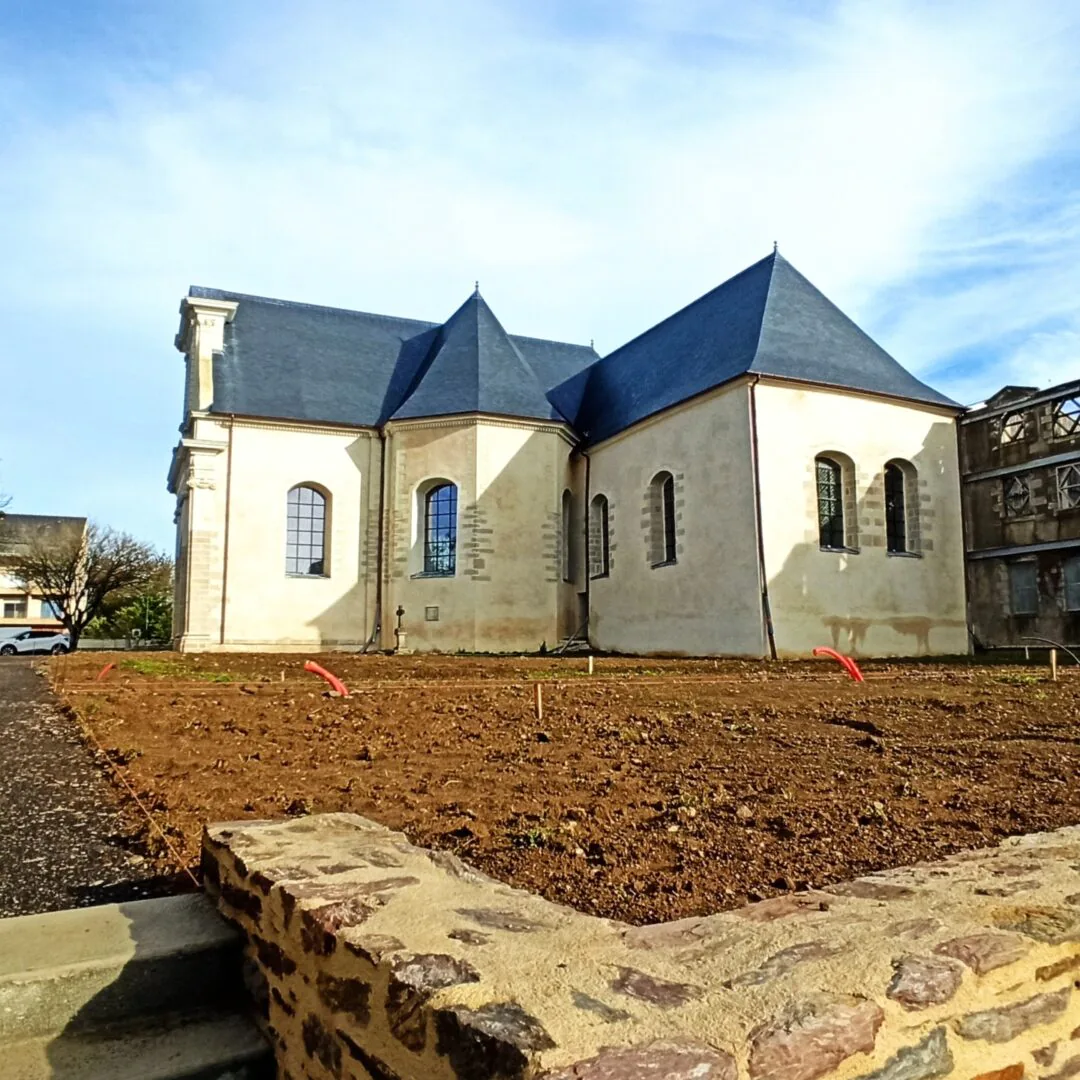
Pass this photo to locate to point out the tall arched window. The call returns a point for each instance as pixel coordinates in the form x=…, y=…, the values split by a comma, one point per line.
x=599, y=538
x=662, y=512
x=567, y=536
x=895, y=509
x=440, y=530
x=830, y=501
x=305, y=533
x=901, y=507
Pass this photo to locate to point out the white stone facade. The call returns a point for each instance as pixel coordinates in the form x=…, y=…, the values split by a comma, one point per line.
x=741, y=569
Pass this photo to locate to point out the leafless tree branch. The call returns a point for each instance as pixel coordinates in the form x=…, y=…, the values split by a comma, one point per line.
x=77, y=573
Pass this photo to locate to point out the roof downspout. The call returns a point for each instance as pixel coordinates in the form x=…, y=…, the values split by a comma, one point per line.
x=766, y=610
x=379, y=544
x=588, y=549
x=225, y=543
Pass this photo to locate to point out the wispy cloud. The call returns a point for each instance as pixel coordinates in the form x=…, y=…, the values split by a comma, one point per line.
x=595, y=165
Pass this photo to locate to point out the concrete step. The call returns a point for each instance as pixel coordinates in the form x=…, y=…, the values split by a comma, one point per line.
x=176, y=1047
x=67, y=971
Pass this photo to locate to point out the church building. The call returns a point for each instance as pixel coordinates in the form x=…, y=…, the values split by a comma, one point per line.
x=753, y=476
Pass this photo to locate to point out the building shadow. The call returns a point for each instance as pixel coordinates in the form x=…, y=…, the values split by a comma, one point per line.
x=175, y=994
x=867, y=601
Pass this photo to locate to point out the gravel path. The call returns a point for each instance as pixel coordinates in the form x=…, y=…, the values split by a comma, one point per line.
x=63, y=841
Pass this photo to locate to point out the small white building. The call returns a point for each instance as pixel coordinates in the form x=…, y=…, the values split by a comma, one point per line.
x=753, y=476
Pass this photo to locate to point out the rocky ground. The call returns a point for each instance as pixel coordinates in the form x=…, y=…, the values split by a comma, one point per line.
x=649, y=791
x=63, y=840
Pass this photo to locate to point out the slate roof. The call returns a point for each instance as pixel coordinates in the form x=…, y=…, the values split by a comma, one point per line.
x=17, y=530
x=320, y=364
x=767, y=320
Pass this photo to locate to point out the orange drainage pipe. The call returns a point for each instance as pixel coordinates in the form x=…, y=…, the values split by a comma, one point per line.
x=329, y=676
x=104, y=671
x=848, y=664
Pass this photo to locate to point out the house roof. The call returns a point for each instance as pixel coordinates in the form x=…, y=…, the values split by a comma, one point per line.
x=320, y=364
x=473, y=365
x=767, y=320
x=17, y=531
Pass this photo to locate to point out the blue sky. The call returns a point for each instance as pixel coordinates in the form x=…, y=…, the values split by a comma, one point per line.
x=596, y=165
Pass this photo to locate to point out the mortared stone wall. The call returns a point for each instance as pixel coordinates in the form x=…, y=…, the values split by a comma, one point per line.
x=372, y=958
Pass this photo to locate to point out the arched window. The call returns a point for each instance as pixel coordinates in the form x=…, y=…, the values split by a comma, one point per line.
x=599, y=538
x=901, y=507
x=440, y=530
x=567, y=536
x=895, y=509
x=830, y=502
x=662, y=513
x=305, y=533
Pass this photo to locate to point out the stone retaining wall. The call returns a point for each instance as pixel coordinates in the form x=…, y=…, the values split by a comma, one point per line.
x=376, y=959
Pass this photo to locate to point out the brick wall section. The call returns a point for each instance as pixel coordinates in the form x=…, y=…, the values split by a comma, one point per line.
x=376, y=959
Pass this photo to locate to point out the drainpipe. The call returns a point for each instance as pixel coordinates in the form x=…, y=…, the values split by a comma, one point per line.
x=588, y=549
x=379, y=544
x=766, y=610
x=228, y=506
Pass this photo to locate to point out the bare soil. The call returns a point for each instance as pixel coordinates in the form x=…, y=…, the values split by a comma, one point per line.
x=649, y=791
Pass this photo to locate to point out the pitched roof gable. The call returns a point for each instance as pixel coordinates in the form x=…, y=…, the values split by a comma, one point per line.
x=766, y=320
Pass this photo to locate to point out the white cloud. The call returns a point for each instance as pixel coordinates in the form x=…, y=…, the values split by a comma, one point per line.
x=595, y=165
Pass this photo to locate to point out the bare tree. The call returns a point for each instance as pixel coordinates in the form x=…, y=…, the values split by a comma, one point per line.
x=78, y=571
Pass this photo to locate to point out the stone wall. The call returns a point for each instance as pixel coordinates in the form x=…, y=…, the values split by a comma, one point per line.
x=373, y=958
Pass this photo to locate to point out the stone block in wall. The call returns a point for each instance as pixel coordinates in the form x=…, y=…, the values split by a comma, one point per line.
x=380, y=959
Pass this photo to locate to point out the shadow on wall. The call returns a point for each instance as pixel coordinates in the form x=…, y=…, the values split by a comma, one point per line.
x=149, y=988
x=865, y=601
x=507, y=592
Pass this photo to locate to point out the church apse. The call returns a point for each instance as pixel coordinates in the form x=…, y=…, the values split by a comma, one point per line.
x=895, y=585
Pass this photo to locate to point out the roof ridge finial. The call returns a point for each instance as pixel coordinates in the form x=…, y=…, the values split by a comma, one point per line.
x=476, y=288
x=775, y=248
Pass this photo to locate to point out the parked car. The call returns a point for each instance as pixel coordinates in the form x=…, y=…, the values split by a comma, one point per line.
x=31, y=641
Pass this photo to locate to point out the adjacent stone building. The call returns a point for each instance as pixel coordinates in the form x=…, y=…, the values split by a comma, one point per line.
x=753, y=476
x=1020, y=454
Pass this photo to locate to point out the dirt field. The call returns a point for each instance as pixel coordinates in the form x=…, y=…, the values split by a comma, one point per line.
x=649, y=791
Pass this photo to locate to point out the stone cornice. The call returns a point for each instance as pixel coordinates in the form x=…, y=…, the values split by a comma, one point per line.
x=284, y=424
x=555, y=427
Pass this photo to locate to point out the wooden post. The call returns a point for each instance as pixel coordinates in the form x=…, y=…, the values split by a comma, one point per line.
x=590, y=665
x=1053, y=664
x=538, y=701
